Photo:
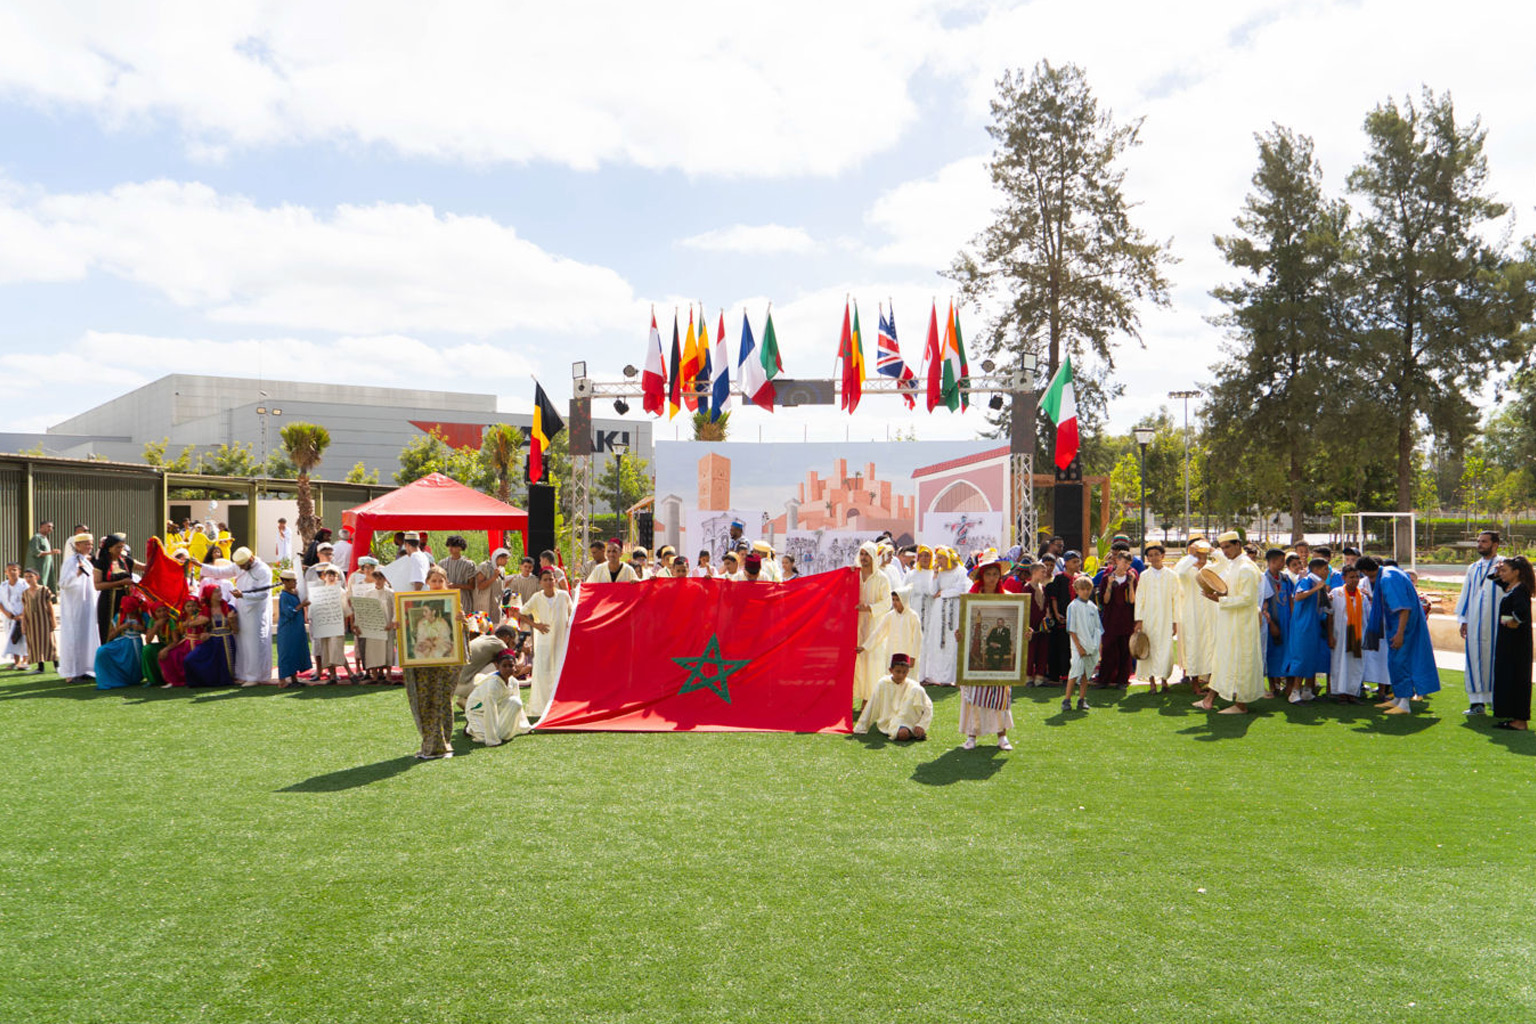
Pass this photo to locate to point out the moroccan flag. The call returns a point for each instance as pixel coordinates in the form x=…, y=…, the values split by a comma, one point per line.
x=691, y=364
x=164, y=580
x=850, y=349
x=1060, y=404
x=720, y=387
x=653, y=382
x=888, y=359
x=705, y=655
x=674, y=379
x=755, y=386
x=546, y=424
x=933, y=356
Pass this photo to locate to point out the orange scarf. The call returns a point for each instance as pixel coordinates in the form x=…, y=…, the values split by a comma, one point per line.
x=1354, y=614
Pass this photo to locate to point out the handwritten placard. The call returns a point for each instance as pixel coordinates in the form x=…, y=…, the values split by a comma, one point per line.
x=370, y=617
x=327, y=614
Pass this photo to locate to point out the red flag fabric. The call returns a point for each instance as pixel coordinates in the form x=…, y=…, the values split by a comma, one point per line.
x=934, y=357
x=164, y=579
x=706, y=655
x=653, y=381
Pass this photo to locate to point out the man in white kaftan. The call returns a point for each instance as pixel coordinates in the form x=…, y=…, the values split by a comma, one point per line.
x=1158, y=597
x=253, y=648
x=548, y=615
x=941, y=650
x=1478, y=612
x=493, y=713
x=78, y=635
x=899, y=631
x=920, y=580
x=899, y=707
x=1238, y=672
x=874, y=602
x=1351, y=613
x=1197, y=616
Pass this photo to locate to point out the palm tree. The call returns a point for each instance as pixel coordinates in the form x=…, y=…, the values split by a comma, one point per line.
x=305, y=443
x=704, y=430
x=502, y=447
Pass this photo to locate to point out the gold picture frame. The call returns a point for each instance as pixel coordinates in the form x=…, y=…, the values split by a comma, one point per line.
x=994, y=639
x=420, y=641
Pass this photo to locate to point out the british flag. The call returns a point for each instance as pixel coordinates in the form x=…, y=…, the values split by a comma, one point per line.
x=888, y=359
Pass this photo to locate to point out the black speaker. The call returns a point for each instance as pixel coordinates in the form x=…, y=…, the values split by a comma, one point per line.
x=1067, y=517
x=541, y=519
x=580, y=425
x=645, y=529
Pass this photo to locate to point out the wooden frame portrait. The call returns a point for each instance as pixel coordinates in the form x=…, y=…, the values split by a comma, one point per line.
x=994, y=639
x=431, y=628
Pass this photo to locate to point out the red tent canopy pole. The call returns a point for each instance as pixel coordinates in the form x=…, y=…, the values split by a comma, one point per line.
x=435, y=502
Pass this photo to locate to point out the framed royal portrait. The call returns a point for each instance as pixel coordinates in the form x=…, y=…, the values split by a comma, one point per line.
x=431, y=630
x=994, y=639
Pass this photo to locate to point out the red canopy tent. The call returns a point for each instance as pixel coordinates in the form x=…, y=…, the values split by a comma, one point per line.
x=435, y=502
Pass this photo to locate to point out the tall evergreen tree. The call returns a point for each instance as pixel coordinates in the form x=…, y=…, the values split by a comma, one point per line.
x=1063, y=261
x=1282, y=385
x=1444, y=307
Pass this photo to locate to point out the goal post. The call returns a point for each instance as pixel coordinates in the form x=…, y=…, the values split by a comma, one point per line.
x=1391, y=548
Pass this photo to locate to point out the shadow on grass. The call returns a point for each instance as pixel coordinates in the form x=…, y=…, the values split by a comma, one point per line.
x=352, y=778
x=1222, y=727
x=1516, y=741
x=1398, y=725
x=959, y=765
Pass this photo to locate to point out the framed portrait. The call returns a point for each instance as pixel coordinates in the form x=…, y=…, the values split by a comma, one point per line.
x=431, y=631
x=994, y=639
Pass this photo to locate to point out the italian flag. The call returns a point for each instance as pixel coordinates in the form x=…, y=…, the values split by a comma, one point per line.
x=1060, y=404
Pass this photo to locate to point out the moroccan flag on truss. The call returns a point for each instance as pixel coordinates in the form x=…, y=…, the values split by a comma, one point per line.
x=653, y=381
x=691, y=366
x=706, y=655
x=850, y=349
x=933, y=359
x=675, y=377
x=888, y=359
x=1059, y=403
x=546, y=424
x=755, y=385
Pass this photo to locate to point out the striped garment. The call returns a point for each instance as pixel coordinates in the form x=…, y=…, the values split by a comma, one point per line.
x=995, y=698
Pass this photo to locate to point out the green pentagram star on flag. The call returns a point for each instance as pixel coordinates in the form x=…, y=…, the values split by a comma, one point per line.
x=719, y=671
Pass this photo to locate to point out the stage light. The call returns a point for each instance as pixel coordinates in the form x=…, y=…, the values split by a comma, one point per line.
x=630, y=371
x=987, y=366
x=578, y=370
x=996, y=402
x=620, y=406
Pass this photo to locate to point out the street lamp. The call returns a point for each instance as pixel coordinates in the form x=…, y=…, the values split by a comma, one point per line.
x=1186, y=396
x=1144, y=436
x=265, y=414
x=619, y=450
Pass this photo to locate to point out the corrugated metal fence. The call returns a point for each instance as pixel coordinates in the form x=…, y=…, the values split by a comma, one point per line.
x=118, y=498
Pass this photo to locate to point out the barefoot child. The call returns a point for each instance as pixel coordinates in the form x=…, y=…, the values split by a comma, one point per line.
x=1085, y=631
x=899, y=707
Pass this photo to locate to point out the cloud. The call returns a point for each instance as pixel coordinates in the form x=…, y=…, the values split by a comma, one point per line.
x=381, y=268
x=930, y=219
x=692, y=86
x=760, y=239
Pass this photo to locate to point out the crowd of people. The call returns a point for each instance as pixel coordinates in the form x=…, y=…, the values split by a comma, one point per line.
x=1233, y=623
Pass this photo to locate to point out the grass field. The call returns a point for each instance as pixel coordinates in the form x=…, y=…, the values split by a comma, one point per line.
x=264, y=855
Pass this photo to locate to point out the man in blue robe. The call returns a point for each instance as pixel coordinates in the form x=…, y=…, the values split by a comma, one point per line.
x=1398, y=618
x=1275, y=611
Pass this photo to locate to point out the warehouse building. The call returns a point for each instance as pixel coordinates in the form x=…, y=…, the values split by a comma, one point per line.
x=367, y=424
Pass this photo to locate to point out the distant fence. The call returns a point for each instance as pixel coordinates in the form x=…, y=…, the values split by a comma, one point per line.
x=115, y=497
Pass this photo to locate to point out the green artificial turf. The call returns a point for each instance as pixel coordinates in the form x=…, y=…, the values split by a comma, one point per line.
x=265, y=855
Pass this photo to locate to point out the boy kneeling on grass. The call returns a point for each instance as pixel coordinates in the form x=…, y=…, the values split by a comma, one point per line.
x=1085, y=631
x=899, y=707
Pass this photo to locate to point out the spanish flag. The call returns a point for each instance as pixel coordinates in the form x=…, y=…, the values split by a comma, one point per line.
x=546, y=424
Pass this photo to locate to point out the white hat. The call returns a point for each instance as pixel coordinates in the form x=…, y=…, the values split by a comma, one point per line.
x=241, y=556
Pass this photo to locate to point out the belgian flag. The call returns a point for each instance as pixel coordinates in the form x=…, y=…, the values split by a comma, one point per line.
x=546, y=424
